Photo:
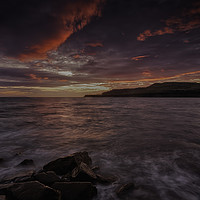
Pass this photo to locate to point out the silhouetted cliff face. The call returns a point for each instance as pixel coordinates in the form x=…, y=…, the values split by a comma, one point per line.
x=168, y=89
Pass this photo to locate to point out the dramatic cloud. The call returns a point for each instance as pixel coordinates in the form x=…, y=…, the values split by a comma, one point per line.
x=78, y=47
x=188, y=21
x=143, y=36
x=32, y=28
x=34, y=77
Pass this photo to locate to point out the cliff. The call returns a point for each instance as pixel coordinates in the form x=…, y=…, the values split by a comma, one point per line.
x=167, y=89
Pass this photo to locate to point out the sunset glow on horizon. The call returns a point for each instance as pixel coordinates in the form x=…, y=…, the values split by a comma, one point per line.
x=72, y=48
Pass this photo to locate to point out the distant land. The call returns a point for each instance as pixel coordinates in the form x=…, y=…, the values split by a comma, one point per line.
x=167, y=89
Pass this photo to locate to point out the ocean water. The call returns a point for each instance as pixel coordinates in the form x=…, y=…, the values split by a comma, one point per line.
x=153, y=142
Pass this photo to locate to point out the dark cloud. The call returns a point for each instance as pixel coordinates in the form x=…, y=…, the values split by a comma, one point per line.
x=125, y=44
x=29, y=29
x=187, y=21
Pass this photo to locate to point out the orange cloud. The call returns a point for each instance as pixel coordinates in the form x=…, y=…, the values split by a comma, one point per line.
x=34, y=77
x=143, y=36
x=94, y=45
x=76, y=56
x=174, y=24
x=137, y=58
x=158, y=79
x=73, y=17
x=39, y=51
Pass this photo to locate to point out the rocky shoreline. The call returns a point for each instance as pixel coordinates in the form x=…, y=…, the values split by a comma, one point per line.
x=69, y=178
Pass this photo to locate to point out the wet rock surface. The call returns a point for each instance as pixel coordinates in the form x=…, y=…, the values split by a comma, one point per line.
x=68, y=178
x=31, y=191
x=83, y=173
x=21, y=177
x=64, y=165
x=47, y=178
x=76, y=190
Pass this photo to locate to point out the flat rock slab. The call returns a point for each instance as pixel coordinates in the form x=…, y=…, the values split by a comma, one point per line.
x=47, y=178
x=76, y=190
x=20, y=177
x=31, y=191
x=4, y=188
x=83, y=173
x=65, y=165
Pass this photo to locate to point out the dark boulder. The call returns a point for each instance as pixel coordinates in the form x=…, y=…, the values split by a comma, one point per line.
x=20, y=177
x=65, y=165
x=26, y=162
x=23, y=179
x=4, y=188
x=47, y=178
x=82, y=157
x=76, y=190
x=66, y=177
x=83, y=173
x=31, y=191
x=124, y=189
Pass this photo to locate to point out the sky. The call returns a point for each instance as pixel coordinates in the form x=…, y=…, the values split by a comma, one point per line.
x=69, y=48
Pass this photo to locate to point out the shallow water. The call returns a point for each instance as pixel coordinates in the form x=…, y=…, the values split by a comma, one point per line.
x=153, y=142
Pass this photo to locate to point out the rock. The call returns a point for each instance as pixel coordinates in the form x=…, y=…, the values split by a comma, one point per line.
x=31, y=191
x=47, y=178
x=4, y=188
x=82, y=157
x=83, y=173
x=66, y=177
x=95, y=168
x=26, y=162
x=124, y=189
x=105, y=180
x=21, y=177
x=76, y=190
x=65, y=165
x=2, y=197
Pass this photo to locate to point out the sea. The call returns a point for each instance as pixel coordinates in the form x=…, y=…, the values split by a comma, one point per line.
x=151, y=142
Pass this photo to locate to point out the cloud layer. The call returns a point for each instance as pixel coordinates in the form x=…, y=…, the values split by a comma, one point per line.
x=63, y=47
x=34, y=27
x=189, y=20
